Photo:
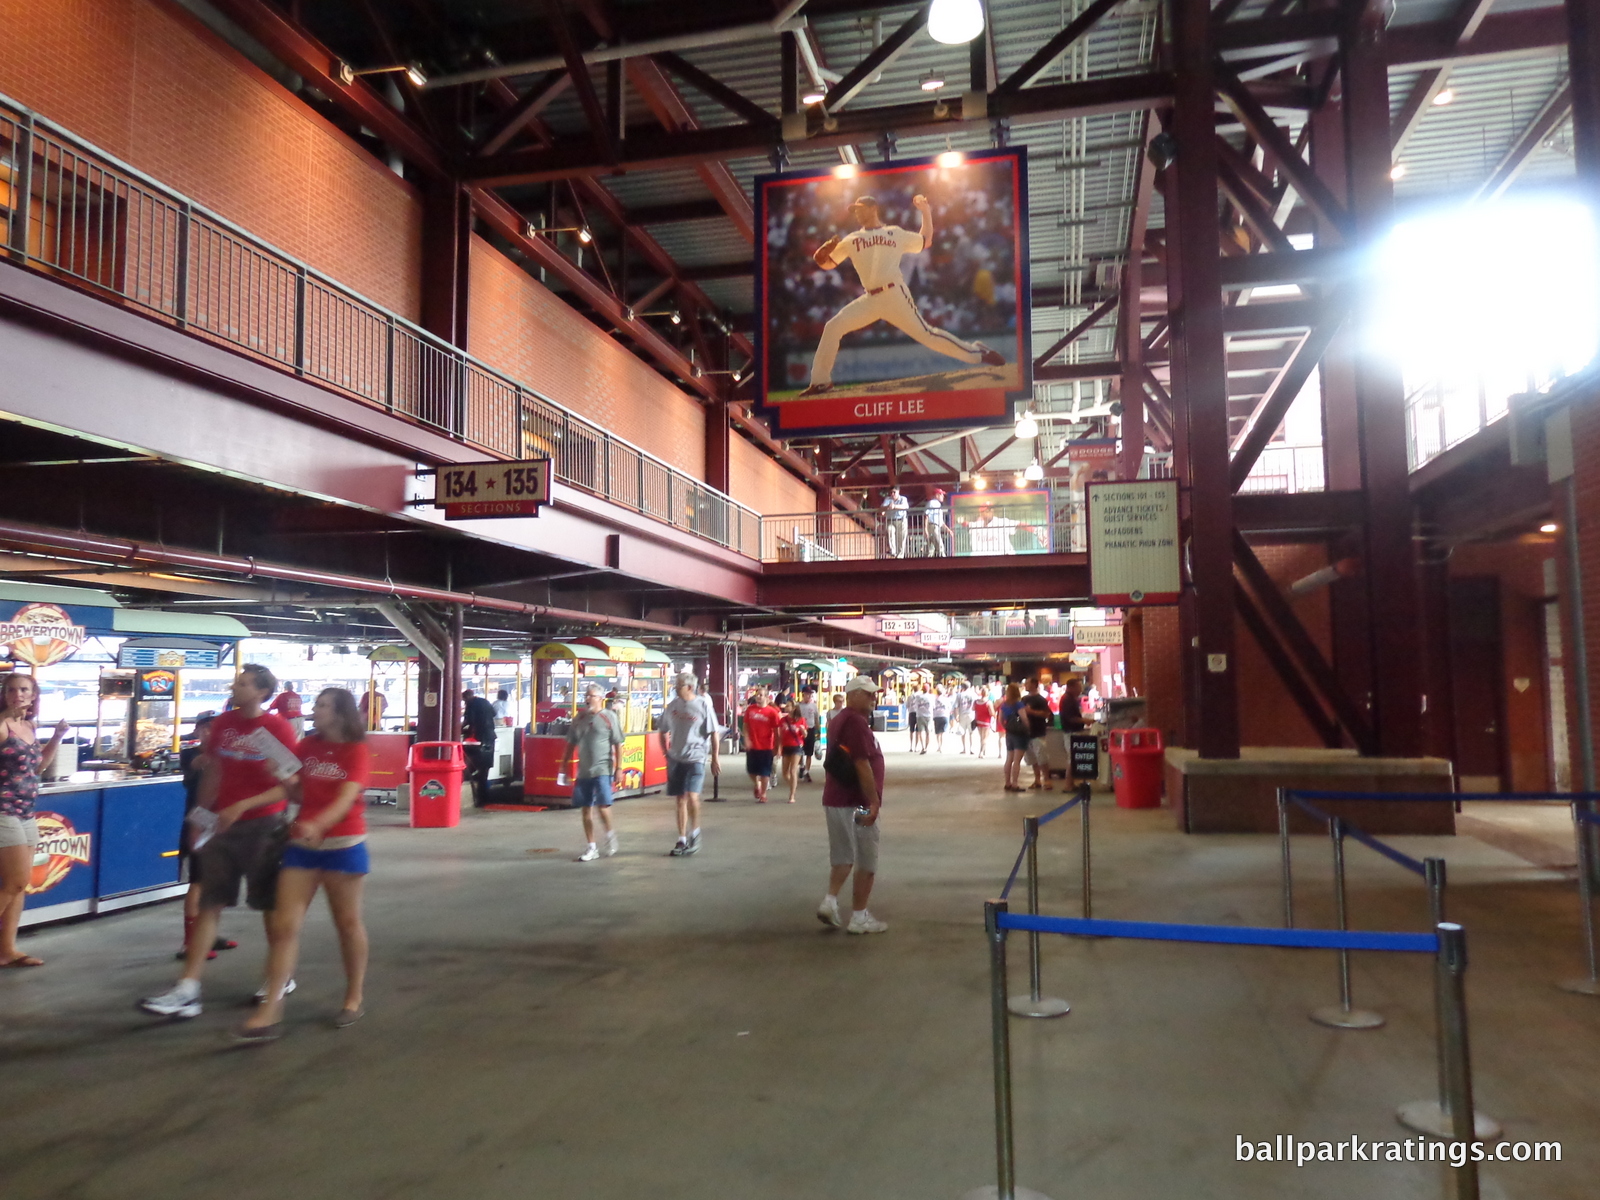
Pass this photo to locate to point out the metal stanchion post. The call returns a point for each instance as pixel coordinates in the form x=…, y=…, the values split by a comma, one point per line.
x=1083, y=828
x=1035, y=1004
x=1342, y=1015
x=1000, y=1029
x=1285, y=856
x=1433, y=1116
x=1458, y=1060
x=1591, y=985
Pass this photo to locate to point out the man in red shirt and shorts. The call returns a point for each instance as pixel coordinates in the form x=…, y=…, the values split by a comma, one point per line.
x=760, y=742
x=247, y=752
x=851, y=797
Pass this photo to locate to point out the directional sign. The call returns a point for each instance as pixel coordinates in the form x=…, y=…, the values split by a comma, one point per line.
x=1133, y=542
x=492, y=489
x=898, y=624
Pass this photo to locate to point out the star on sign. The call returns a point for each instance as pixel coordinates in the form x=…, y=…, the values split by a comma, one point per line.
x=489, y=484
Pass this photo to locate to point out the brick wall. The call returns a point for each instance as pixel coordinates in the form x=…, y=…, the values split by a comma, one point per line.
x=527, y=331
x=1268, y=716
x=147, y=83
x=758, y=481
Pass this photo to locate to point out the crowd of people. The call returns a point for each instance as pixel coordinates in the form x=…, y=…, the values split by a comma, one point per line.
x=249, y=769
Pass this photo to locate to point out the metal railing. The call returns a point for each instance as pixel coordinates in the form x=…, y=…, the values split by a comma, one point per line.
x=1017, y=623
x=70, y=211
x=840, y=536
x=1284, y=468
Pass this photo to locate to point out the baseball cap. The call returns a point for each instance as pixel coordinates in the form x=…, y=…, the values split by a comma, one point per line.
x=872, y=200
x=860, y=683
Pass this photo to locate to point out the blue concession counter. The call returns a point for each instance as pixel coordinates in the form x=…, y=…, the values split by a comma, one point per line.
x=106, y=841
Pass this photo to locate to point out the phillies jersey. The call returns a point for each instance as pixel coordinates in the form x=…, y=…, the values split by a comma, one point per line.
x=876, y=253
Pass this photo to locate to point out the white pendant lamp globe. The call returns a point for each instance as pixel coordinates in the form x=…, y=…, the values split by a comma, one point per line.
x=955, y=22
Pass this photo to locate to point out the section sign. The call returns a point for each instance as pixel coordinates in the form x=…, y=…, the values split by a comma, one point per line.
x=894, y=296
x=475, y=490
x=1133, y=542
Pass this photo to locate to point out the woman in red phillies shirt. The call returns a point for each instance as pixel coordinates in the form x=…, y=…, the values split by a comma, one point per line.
x=983, y=720
x=760, y=740
x=327, y=848
x=792, y=738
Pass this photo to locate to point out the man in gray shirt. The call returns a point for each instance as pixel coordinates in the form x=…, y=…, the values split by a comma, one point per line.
x=598, y=737
x=689, y=727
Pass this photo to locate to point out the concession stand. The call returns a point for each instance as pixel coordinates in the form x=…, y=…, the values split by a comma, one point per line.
x=634, y=677
x=108, y=838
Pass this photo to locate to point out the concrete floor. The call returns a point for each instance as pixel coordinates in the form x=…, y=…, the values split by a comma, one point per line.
x=651, y=1027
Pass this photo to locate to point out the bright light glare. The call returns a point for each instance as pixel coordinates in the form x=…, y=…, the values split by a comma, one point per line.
x=1027, y=427
x=1444, y=97
x=813, y=98
x=951, y=158
x=1548, y=527
x=1033, y=470
x=979, y=482
x=955, y=22
x=845, y=171
x=1510, y=287
x=1397, y=172
x=932, y=82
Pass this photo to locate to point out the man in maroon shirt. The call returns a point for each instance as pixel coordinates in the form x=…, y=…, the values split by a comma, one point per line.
x=854, y=770
x=248, y=750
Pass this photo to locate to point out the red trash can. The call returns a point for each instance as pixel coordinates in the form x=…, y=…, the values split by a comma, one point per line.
x=1137, y=761
x=435, y=772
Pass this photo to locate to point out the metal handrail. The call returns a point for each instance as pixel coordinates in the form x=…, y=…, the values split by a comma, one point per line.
x=106, y=226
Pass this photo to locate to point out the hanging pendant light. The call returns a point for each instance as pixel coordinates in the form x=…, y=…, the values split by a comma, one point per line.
x=1034, y=471
x=1026, y=427
x=955, y=22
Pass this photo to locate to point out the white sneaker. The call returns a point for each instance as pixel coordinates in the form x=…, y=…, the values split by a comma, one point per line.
x=611, y=843
x=590, y=854
x=865, y=922
x=183, y=1000
x=828, y=911
x=261, y=992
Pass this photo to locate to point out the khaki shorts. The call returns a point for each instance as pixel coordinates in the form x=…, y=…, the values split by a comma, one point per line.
x=19, y=831
x=251, y=851
x=850, y=844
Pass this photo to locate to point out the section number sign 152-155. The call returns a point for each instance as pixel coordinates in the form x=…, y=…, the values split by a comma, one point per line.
x=492, y=489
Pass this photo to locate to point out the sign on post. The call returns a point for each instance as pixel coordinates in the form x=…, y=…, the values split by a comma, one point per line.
x=1083, y=750
x=492, y=489
x=1133, y=542
x=1097, y=635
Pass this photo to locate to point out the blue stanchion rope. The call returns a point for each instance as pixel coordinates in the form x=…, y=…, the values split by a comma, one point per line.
x=1565, y=797
x=1232, y=935
x=1060, y=810
x=1389, y=852
x=1589, y=817
x=1015, y=867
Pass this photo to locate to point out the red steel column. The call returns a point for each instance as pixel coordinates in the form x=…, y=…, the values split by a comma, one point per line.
x=1583, y=66
x=1395, y=633
x=717, y=471
x=1200, y=388
x=446, y=257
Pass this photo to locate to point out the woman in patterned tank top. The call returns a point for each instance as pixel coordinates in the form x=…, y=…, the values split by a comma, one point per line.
x=22, y=761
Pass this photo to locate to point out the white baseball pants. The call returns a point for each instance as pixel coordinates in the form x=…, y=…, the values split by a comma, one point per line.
x=894, y=305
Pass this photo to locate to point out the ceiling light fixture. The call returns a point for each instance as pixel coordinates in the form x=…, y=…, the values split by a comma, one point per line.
x=1034, y=471
x=1549, y=527
x=1397, y=172
x=1026, y=428
x=412, y=71
x=813, y=97
x=583, y=232
x=1020, y=481
x=955, y=22
x=1444, y=97
x=932, y=81
x=951, y=158
x=846, y=171
x=979, y=483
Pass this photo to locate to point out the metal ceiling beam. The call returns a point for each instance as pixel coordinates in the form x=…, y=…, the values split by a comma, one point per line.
x=1077, y=331
x=874, y=63
x=531, y=104
x=675, y=213
x=1529, y=32
x=1281, y=150
x=650, y=149
x=1061, y=372
x=1269, y=37
x=1556, y=110
x=715, y=89
x=605, y=140
x=1274, y=403
x=1057, y=46
x=1469, y=16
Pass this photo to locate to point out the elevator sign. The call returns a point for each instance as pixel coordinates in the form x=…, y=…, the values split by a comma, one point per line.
x=492, y=489
x=1133, y=542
